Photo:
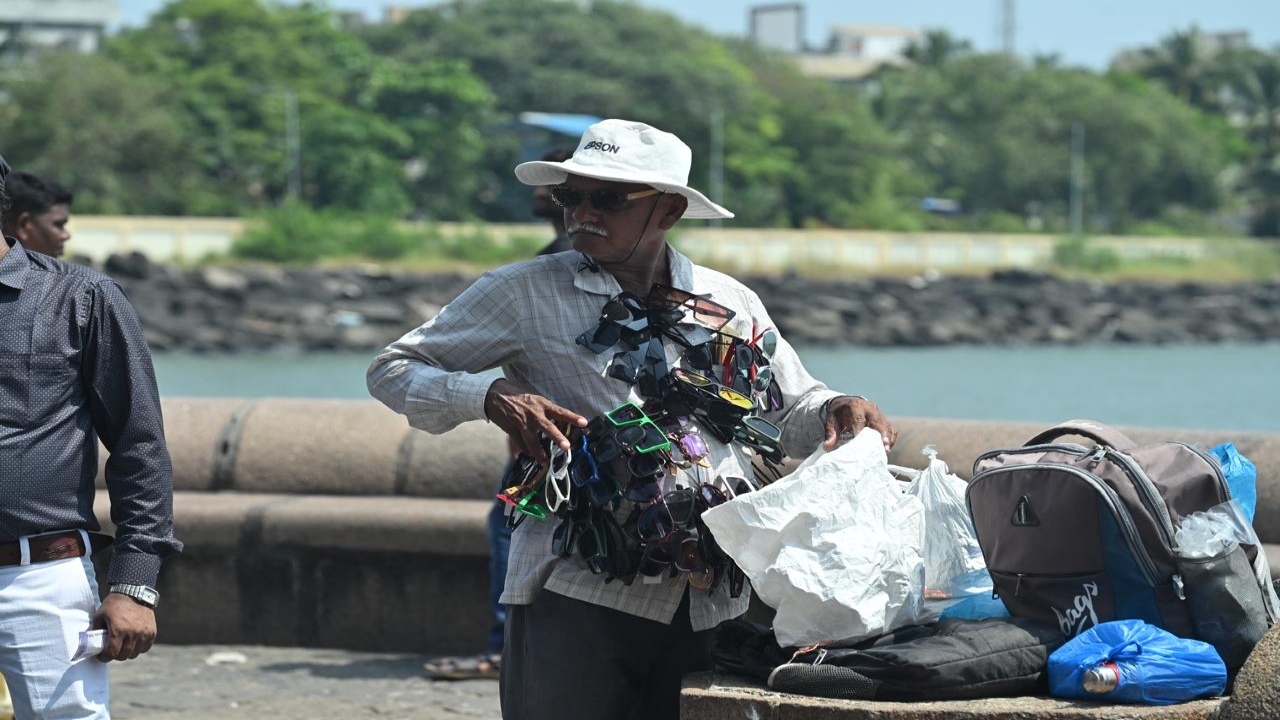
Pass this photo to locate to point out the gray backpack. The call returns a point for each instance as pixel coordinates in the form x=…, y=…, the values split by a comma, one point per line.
x=1082, y=534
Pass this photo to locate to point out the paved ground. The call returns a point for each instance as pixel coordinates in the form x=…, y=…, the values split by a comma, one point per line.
x=216, y=682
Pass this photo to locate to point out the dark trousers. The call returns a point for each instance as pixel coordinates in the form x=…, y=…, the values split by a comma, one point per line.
x=570, y=660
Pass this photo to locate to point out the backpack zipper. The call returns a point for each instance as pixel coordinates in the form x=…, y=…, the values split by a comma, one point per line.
x=1149, y=493
x=1129, y=530
x=1217, y=469
x=1098, y=453
x=1069, y=448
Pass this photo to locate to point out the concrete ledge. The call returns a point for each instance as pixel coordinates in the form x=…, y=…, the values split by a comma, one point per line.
x=324, y=447
x=332, y=523
x=708, y=696
x=363, y=573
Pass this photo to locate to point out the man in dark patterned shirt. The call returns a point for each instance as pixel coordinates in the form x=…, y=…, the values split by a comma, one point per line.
x=38, y=213
x=74, y=368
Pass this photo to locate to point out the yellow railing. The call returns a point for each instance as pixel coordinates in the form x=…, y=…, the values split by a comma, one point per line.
x=189, y=239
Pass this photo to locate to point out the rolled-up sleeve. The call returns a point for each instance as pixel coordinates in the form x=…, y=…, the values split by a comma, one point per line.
x=125, y=406
x=431, y=375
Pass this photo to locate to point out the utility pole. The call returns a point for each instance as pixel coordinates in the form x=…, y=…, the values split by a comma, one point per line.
x=292, y=143
x=716, y=184
x=1077, y=179
x=1009, y=27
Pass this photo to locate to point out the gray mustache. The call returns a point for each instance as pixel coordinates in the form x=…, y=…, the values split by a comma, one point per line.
x=587, y=227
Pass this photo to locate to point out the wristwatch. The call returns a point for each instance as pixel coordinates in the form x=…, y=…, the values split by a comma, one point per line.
x=143, y=594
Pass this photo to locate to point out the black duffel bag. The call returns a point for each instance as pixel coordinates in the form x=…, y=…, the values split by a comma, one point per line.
x=960, y=659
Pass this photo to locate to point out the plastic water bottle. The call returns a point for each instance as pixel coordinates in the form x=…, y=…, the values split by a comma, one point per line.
x=1102, y=679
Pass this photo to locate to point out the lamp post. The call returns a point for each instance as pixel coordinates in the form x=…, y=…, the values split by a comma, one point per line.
x=292, y=142
x=716, y=181
x=1077, y=179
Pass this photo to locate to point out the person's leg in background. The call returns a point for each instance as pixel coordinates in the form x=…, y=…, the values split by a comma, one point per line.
x=499, y=548
x=484, y=665
x=43, y=609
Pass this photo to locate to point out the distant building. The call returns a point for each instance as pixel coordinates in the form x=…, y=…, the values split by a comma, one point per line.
x=778, y=27
x=1220, y=42
x=1210, y=44
x=395, y=14
x=872, y=42
x=30, y=26
x=854, y=52
x=351, y=19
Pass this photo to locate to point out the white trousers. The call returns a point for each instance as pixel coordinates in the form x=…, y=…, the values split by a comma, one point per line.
x=43, y=608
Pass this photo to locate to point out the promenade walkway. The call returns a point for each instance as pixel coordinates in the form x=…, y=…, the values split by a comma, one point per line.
x=241, y=682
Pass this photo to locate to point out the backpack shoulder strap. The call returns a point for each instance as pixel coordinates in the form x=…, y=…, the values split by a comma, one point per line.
x=1096, y=431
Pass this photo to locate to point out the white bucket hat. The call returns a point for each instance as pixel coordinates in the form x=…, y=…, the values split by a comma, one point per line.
x=632, y=152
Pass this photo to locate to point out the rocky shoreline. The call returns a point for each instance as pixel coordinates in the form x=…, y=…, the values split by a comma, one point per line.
x=250, y=308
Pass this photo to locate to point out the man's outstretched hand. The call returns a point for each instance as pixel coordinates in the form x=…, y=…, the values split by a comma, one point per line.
x=523, y=413
x=846, y=416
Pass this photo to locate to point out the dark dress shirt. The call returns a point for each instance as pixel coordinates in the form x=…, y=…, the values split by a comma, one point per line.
x=73, y=363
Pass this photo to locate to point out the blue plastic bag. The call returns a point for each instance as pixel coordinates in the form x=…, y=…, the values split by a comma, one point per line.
x=1155, y=666
x=1241, y=474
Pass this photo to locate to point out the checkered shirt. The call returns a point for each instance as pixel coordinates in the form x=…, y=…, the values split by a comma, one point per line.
x=524, y=318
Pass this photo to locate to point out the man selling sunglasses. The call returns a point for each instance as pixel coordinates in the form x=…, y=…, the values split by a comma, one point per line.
x=578, y=646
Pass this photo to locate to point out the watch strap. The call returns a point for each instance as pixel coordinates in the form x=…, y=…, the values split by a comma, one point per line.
x=145, y=595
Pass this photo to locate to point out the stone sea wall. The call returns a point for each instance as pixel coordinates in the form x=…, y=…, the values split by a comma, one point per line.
x=231, y=309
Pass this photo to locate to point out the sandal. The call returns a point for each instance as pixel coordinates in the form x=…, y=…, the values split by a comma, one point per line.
x=465, y=667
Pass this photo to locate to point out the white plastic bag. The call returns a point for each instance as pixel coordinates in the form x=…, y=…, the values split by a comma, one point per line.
x=953, y=562
x=834, y=547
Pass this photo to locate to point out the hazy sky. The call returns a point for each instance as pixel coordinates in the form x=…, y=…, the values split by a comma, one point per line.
x=1083, y=32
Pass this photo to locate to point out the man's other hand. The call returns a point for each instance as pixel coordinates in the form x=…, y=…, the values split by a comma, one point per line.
x=131, y=627
x=522, y=414
x=846, y=416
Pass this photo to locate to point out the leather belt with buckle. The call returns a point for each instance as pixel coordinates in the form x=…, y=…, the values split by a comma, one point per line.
x=45, y=548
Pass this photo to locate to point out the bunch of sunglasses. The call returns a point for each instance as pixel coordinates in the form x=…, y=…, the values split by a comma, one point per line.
x=671, y=538
x=722, y=404
x=531, y=489
x=621, y=454
x=637, y=326
x=625, y=454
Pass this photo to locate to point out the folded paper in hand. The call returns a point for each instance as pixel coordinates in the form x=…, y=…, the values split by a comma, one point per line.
x=90, y=642
x=834, y=547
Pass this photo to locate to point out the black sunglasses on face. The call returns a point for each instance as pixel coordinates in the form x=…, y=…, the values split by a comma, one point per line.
x=605, y=200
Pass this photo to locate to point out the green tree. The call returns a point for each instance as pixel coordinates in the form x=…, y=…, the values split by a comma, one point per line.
x=996, y=135
x=1183, y=64
x=826, y=155
x=232, y=65
x=1255, y=100
x=106, y=134
x=937, y=48
x=795, y=148
x=611, y=59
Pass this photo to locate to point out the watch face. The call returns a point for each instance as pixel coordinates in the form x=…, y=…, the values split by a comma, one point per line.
x=141, y=593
